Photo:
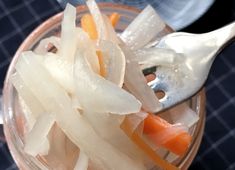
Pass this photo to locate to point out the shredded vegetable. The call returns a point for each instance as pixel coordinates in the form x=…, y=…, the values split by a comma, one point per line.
x=88, y=25
x=86, y=102
x=173, y=137
x=114, y=18
x=147, y=24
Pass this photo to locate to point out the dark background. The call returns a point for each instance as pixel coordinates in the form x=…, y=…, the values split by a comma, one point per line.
x=220, y=13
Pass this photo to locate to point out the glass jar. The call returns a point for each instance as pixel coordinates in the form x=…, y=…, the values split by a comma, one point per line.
x=13, y=114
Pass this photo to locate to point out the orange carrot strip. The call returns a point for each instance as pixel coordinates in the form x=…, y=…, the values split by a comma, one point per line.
x=178, y=144
x=114, y=18
x=88, y=25
x=136, y=138
x=101, y=62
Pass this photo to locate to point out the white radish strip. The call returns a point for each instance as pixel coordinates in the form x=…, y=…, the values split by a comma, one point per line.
x=55, y=100
x=38, y=76
x=98, y=19
x=156, y=56
x=87, y=47
x=112, y=35
x=68, y=34
x=43, y=46
x=143, y=28
x=114, y=61
x=82, y=162
x=61, y=70
x=36, y=141
x=103, y=95
x=135, y=82
x=108, y=127
x=30, y=100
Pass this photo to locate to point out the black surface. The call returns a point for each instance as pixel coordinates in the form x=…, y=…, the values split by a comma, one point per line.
x=220, y=13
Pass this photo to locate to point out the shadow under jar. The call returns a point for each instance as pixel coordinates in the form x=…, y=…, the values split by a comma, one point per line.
x=14, y=121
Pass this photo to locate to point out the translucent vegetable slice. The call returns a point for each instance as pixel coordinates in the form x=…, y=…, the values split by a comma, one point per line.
x=88, y=48
x=88, y=25
x=98, y=19
x=61, y=70
x=68, y=34
x=61, y=65
x=112, y=35
x=135, y=82
x=108, y=127
x=36, y=141
x=148, y=57
x=28, y=115
x=143, y=28
x=114, y=61
x=55, y=100
x=30, y=100
x=109, y=98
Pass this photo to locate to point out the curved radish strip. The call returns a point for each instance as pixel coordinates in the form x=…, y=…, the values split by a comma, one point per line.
x=112, y=35
x=109, y=98
x=142, y=29
x=87, y=47
x=29, y=99
x=98, y=19
x=68, y=34
x=55, y=100
x=108, y=127
x=149, y=57
x=135, y=82
x=61, y=70
x=114, y=61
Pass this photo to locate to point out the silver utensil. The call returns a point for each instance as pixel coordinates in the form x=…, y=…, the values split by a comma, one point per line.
x=183, y=79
